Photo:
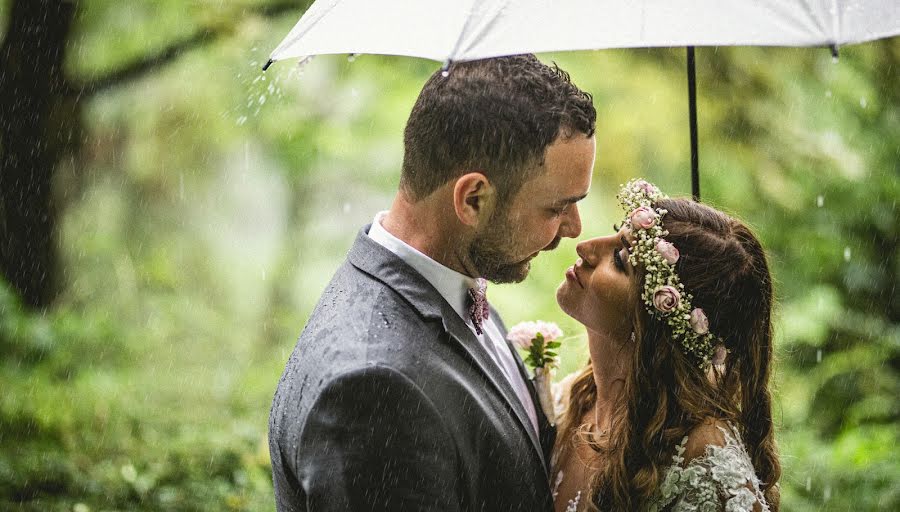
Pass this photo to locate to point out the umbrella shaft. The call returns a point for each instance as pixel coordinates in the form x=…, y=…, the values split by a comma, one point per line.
x=692, y=118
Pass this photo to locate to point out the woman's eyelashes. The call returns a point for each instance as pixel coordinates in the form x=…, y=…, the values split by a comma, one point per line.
x=617, y=258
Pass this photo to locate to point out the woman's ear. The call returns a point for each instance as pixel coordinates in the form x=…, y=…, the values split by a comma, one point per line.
x=473, y=198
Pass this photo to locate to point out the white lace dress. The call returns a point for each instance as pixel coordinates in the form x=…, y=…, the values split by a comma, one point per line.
x=720, y=480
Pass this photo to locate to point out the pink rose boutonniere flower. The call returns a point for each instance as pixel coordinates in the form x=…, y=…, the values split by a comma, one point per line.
x=666, y=298
x=643, y=217
x=525, y=334
x=539, y=340
x=668, y=251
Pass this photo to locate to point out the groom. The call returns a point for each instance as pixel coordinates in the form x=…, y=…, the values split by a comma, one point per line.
x=402, y=392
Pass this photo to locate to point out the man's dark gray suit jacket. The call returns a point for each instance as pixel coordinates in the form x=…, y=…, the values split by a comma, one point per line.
x=389, y=402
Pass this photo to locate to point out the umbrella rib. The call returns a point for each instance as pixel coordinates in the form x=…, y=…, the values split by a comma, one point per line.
x=462, y=32
x=485, y=27
x=313, y=20
x=836, y=22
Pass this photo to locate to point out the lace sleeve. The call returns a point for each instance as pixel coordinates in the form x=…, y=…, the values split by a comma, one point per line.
x=722, y=479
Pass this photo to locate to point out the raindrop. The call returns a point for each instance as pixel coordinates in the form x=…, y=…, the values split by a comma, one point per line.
x=827, y=493
x=818, y=360
x=808, y=483
x=346, y=210
x=241, y=120
x=863, y=103
x=847, y=253
x=445, y=73
x=301, y=64
x=827, y=94
x=820, y=200
x=262, y=99
x=834, y=59
x=352, y=57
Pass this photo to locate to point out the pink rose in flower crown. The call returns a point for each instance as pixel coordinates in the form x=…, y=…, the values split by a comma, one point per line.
x=666, y=298
x=647, y=188
x=668, y=251
x=643, y=217
x=699, y=322
x=719, y=355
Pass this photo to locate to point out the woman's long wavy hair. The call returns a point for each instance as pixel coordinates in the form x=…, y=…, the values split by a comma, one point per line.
x=666, y=395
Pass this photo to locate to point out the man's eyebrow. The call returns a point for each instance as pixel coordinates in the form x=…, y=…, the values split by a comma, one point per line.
x=570, y=200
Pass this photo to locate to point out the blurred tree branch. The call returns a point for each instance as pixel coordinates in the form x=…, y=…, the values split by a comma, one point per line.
x=40, y=124
x=148, y=63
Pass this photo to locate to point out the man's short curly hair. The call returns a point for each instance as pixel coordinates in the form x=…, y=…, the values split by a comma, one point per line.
x=496, y=116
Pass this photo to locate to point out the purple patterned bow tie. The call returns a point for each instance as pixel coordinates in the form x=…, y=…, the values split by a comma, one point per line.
x=478, y=305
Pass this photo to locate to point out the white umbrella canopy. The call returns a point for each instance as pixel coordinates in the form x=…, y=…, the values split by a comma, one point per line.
x=448, y=30
x=444, y=30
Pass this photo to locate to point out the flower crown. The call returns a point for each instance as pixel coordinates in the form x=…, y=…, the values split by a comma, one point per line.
x=664, y=295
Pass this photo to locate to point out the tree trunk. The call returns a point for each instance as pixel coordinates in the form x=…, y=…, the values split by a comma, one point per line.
x=36, y=126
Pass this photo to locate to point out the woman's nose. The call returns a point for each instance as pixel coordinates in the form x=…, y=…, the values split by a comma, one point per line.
x=585, y=252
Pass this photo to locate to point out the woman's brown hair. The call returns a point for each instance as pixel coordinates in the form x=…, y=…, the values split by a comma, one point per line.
x=666, y=395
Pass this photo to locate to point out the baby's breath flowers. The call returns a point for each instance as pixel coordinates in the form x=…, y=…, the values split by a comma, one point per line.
x=663, y=294
x=538, y=339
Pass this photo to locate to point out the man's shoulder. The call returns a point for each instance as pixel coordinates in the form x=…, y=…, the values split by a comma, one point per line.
x=362, y=320
x=356, y=300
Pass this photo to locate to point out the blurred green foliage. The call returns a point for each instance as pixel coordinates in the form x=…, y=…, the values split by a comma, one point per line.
x=210, y=204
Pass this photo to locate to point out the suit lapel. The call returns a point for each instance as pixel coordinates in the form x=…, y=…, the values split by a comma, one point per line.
x=547, y=431
x=382, y=264
x=464, y=337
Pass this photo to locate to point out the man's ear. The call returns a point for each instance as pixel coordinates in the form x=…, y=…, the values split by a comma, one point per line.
x=473, y=198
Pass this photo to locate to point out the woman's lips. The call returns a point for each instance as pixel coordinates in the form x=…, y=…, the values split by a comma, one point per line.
x=572, y=273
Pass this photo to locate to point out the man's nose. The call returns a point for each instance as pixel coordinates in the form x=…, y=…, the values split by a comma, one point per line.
x=571, y=224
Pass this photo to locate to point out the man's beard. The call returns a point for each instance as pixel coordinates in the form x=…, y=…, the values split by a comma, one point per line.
x=489, y=251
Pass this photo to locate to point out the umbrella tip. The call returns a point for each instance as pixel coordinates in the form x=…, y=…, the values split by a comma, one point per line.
x=267, y=64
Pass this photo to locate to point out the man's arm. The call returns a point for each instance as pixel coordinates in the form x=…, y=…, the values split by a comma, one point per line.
x=374, y=441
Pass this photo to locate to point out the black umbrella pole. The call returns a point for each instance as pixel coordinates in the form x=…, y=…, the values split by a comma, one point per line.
x=692, y=118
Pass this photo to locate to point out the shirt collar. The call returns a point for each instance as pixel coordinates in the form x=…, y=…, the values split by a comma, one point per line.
x=452, y=285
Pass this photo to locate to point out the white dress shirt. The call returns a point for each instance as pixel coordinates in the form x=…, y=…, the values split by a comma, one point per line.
x=454, y=288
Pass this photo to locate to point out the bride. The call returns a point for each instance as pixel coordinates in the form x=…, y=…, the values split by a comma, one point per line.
x=674, y=411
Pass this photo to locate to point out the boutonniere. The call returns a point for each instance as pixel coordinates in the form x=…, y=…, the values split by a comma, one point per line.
x=539, y=340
